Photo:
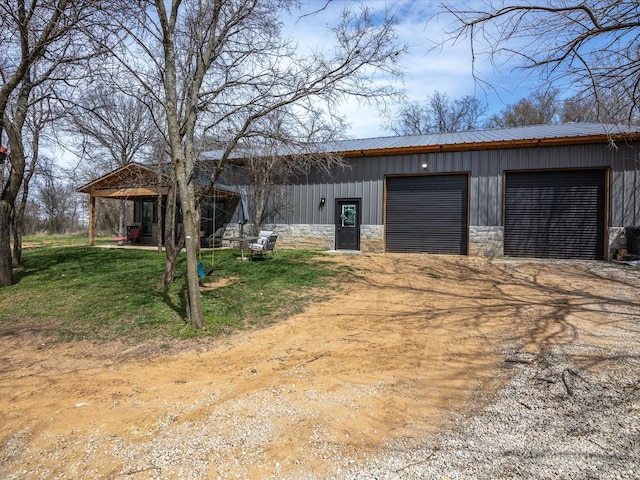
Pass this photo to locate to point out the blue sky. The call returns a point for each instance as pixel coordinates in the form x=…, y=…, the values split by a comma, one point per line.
x=447, y=70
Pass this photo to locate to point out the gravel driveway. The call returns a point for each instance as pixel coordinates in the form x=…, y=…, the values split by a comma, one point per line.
x=421, y=367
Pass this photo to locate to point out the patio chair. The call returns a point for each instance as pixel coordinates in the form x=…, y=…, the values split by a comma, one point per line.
x=133, y=236
x=265, y=245
x=215, y=240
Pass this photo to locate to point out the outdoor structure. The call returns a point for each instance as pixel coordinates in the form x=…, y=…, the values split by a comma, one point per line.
x=558, y=191
x=144, y=185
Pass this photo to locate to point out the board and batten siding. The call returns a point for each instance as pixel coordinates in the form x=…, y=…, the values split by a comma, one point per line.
x=304, y=202
x=365, y=179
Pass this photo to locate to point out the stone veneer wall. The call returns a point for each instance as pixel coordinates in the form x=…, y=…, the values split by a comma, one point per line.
x=372, y=238
x=312, y=237
x=483, y=241
x=486, y=241
x=617, y=239
x=320, y=237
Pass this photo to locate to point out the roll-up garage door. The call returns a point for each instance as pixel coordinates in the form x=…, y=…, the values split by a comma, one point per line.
x=555, y=214
x=427, y=214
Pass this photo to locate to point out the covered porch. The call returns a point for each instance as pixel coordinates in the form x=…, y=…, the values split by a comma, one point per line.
x=144, y=186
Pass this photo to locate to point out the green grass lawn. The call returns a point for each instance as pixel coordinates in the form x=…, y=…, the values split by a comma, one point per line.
x=80, y=292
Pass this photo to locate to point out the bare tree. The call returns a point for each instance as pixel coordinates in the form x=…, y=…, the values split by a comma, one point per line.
x=41, y=115
x=285, y=148
x=56, y=198
x=39, y=40
x=115, y=129
x=540, y=108
x=221, y=66
x=438, y=114
x=611, y=108
x=590, y=48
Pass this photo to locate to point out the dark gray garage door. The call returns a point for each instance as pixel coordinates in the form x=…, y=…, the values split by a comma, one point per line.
x=555, y=214
x=427, y=214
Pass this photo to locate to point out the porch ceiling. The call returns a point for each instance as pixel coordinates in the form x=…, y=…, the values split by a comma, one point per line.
x=128, y=193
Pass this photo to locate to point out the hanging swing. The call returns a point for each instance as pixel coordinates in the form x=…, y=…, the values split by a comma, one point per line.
x=213, y=235
x=201, y=273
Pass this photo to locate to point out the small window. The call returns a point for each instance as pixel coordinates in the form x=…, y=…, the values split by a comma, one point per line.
x=348, y=216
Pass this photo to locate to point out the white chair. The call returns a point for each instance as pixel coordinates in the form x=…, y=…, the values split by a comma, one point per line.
x=265, y=245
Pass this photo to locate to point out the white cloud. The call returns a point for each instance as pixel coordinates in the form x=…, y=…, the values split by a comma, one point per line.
x=426, y=69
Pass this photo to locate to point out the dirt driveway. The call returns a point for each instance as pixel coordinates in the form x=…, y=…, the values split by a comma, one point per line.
x=411, y=339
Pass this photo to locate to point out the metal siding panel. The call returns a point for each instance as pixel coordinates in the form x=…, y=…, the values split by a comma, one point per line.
x=619, y=208
x=635, y=200
x=628, y=194
x=555, y=214
x=486, y=169
x=483, y=196
x=370, y=202
x=495, y=202
x=483, y=168
x=427, y=214
x=475, y=201
x=303, y=206
x=377, y=202
x=312, y=208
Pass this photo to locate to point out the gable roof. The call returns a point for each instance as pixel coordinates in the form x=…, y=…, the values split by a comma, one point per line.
x=131, y=180
x=138, y=180
x=489, y=139
x=526, y=136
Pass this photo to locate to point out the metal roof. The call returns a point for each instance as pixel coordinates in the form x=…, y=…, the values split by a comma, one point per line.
x=525, y=136
x=478, y=137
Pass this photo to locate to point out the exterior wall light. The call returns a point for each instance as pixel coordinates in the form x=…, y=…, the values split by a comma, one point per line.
x=323, y=202
x=424, y=166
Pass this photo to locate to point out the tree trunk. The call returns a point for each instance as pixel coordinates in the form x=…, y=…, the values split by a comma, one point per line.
x=18, y=217
x=8, y=201
x=6, y=268
x=191, y=243
x=121, y=218
x=159, y=224
x=169, y=274
x=260, y=201
x=170, y=246
x=194, y=313
x=183, y=158
x=18, y=232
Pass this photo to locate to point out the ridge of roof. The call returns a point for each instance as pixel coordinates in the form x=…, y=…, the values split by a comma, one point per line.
x=117, y=171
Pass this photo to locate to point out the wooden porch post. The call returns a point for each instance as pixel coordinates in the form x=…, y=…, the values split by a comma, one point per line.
x=92, y=220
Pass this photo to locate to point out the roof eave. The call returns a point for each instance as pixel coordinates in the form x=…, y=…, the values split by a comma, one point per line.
x=490, y=145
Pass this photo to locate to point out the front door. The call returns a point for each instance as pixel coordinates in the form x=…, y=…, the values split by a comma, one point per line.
x=348, y=224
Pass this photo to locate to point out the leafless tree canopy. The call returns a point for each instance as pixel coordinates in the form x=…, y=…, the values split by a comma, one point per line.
x=590, y=47
x=438, y=114
x=218, y=69
x=45, y=46
x=112, y=129
x=540, y=108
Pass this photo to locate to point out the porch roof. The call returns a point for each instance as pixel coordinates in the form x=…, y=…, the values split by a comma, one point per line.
x=136, y=180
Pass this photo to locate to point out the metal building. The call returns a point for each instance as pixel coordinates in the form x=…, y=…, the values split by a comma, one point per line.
x=560, y=191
